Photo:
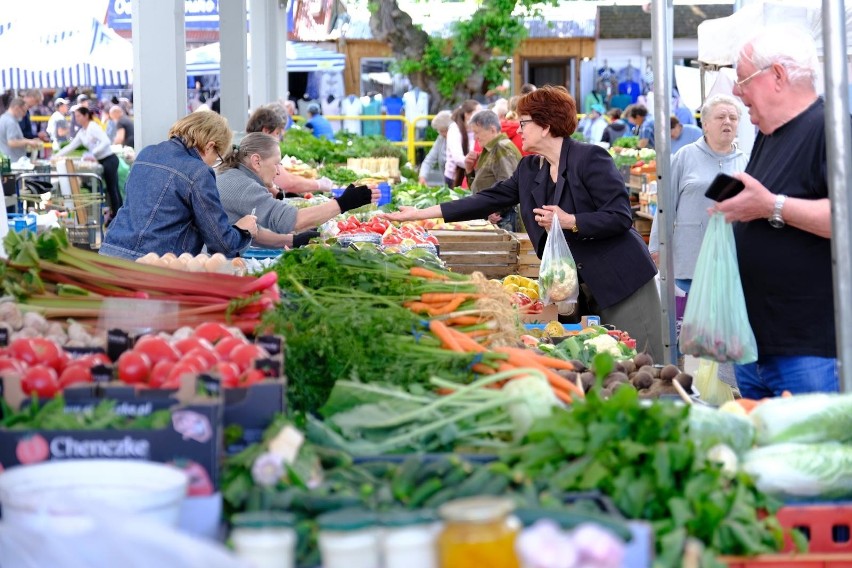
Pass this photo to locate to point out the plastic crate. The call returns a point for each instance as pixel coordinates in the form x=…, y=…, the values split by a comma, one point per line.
x=19, y=222
x=790, y=561
x=827, y=526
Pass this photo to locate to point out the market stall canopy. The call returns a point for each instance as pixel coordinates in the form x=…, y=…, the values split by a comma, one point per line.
x=300, y=57
x=720, y=39
x=85, y=53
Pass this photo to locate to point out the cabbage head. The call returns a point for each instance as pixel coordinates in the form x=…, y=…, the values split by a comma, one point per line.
x=807, y=418
x=821, y=471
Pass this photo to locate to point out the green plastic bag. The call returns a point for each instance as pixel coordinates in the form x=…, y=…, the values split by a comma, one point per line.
x=715, y=324
x=123, y=172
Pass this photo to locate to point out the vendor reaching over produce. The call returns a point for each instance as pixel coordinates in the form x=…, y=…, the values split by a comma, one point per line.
x=580, y=184
x=246, y=173
x=270, y=120
x=172, y=203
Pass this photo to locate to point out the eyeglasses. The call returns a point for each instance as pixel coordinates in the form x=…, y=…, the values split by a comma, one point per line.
x=743, y=82
x=523, y=123
x=221, y=159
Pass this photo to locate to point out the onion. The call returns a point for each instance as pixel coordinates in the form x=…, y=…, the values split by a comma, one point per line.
x=215, y=262
x=150, y=258
x=195, y=264
x=176, y=264
x=168, y=257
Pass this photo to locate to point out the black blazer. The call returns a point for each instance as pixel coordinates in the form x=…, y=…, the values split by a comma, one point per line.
x=612, y=259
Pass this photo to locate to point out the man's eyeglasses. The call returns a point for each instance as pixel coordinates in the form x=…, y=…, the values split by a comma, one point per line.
x=743, y=82
x=523, y=123
x=221, y=159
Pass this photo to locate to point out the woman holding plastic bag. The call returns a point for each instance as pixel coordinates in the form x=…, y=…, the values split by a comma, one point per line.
x=577, y=187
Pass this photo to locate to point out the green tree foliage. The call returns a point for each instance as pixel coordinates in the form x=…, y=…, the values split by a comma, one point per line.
x=470, y=62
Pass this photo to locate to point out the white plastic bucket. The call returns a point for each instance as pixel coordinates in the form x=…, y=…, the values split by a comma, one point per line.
x=75, y=489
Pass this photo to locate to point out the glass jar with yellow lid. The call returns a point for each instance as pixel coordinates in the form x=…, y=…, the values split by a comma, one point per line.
x=478, y=531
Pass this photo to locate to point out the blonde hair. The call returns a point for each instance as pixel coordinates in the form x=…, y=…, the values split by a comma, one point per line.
x=200, y=128
x=512, y=113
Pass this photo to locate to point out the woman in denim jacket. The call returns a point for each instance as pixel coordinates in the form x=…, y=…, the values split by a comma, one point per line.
x=172, y=204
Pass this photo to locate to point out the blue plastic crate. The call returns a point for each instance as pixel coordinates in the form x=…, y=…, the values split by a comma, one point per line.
x=19, y=222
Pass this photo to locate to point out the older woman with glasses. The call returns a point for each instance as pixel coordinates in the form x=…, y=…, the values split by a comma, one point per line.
x=578, y=184
x=172, y=203
x=244, y=178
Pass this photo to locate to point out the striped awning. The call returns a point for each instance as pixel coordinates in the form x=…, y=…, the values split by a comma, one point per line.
x=85, y=54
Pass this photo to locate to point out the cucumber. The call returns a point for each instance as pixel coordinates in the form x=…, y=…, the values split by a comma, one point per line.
x=402, y=484
x=424, y=492
x=471, y=486
x=439, y=498
x=435, y=469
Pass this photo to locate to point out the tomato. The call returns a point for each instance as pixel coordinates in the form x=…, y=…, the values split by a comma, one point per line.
x=199, y=479
x=40, y=380
x=182, y=368
x=157, y=349
x=521, y=299
x=10, y=365
x=245, y=355
x=75, y=373
x=227, y=345
x=208, y=357
x=160, y=374
x=251, y=376
x=212, y=331
x=229, y=373
x=34, y=350
x=32, y=449
x=187, y=344
x=92, y=360
x=133, y=367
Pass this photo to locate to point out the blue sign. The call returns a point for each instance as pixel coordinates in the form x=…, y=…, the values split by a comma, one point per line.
x=199, y=14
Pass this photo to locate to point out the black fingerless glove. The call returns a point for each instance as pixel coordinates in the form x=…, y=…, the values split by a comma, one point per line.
x=354, y=197
x=302, y=239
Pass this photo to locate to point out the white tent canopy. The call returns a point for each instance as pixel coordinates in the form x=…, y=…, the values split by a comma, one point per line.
x=300, y=57
x=720, y=39
x=82, y=53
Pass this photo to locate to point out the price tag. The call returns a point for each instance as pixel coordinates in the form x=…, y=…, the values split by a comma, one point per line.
x=271, y=367
x=118, y=341
x=274, y=344
x=102, y=374
x=4, y=336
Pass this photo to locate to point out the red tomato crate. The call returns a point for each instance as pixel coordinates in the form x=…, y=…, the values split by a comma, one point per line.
x=790, y=561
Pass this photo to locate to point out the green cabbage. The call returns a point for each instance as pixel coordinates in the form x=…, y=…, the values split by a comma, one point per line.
x=807, y=418
x=802, y=470
x=709, y=426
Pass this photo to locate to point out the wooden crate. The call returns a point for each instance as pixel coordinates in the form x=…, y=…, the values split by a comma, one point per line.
x=528, y=262
x=493, y=253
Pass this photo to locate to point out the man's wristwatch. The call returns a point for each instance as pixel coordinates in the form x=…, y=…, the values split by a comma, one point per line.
x=776, y=220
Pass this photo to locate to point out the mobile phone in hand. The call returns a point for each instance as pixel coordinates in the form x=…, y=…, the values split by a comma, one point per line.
x=724, y=187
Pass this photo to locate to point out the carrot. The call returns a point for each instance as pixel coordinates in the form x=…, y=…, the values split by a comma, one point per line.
x=449, y=307
x=443, y=391
x=563, y=396
x=478, y=333
x=551, y=362
x=483, y=369
x=465, y=342
x=444, y=297
x=463, y=320
x=426, y=273
x=522, y=359
x=419, y=307
x=445, y=334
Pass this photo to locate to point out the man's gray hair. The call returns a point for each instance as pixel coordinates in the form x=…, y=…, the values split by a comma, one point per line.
x=17, y=102
x=442, y=120
x=791, y=46
x=486, y=119
x=714, y=101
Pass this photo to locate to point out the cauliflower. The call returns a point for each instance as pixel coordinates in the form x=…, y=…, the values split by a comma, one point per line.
x=604, y=343
x=533, y=398
x=559, y=282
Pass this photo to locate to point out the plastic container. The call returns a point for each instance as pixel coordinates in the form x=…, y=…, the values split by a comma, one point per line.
x=265, y=539
x=478, y=531
x=790, y=561
x=74, y=489
x=408, y=539
x=385, y=194
x=25, y=222
x=349, y=538
x=827, y=526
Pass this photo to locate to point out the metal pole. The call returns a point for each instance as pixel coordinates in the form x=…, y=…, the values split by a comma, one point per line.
x=662, y=38
x=838, y=134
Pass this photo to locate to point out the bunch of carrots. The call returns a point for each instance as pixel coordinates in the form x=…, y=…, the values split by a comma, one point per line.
x=462, y=327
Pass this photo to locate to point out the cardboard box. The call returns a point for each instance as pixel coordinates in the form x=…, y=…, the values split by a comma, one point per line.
x=192, y=441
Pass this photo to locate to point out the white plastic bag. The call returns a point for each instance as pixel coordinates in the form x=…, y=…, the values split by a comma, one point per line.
x=106, y=541
x=558, y=278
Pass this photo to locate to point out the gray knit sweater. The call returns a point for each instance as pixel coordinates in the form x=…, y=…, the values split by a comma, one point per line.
x=693, y=168
x=241, y=191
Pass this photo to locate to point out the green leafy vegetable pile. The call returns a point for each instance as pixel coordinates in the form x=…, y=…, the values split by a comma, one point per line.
x=302, y=144
x=52, y=416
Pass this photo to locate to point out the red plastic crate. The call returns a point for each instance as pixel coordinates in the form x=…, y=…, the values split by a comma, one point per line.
x=790, y=561
x=828, y=527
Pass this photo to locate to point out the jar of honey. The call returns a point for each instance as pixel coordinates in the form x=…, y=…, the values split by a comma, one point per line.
x=478, y=531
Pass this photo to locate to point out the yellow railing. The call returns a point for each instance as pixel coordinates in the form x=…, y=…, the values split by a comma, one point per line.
x=410, y=125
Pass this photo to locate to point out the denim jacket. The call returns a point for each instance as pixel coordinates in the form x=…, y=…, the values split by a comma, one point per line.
x=172, y=205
